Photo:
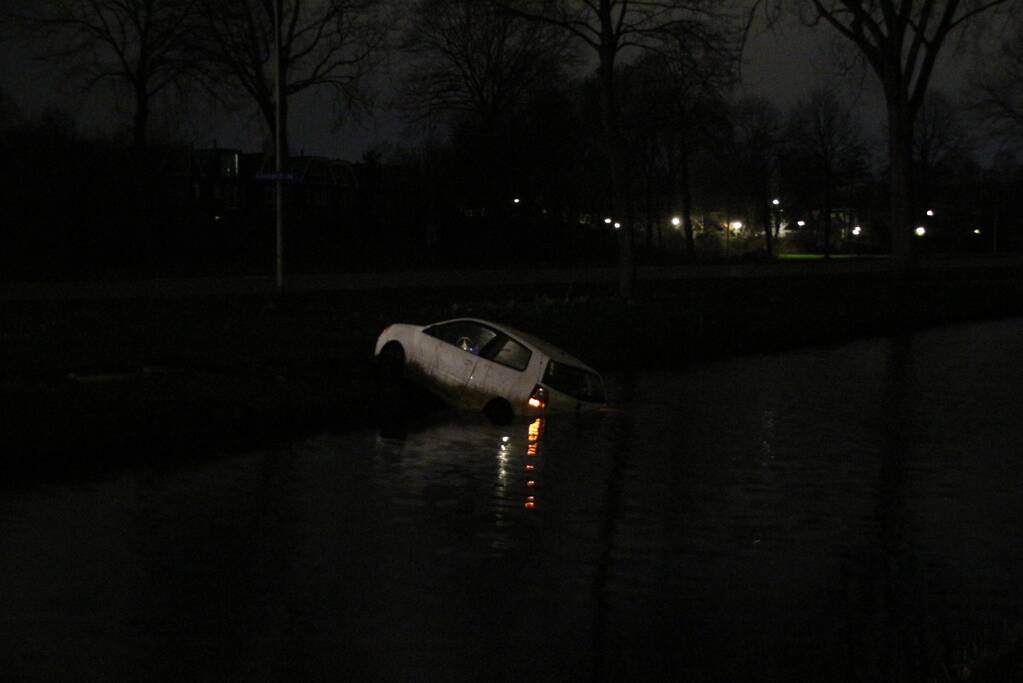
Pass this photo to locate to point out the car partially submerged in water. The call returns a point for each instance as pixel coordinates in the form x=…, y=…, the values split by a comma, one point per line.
x=480, y=365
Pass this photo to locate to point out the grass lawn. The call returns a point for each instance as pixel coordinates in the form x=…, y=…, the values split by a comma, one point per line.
x=820, y=257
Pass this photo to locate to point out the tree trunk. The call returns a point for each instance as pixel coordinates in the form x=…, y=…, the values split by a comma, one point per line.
x=140, y=122
x=269, y=116
x=626, y=265
x=649, y=201
x=687, y=204
x=900, y=149
x=827, y=218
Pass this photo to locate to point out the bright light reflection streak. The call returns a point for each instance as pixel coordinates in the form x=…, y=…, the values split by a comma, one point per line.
x=533, y=442
x=502, y=464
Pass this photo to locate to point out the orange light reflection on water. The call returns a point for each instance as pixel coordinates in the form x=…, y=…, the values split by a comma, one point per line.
x=532, y=451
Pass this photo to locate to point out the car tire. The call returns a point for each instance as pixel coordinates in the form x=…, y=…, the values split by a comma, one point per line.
x=391, y=361
x=499, y=411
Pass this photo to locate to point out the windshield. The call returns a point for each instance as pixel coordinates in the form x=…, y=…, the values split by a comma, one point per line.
x=576, y=382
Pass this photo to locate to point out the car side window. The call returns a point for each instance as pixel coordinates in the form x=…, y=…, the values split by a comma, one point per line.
x=506, y=351
x=576, y=382
x=468, y=336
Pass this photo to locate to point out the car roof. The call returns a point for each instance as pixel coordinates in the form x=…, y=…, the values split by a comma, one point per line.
x=540, y=345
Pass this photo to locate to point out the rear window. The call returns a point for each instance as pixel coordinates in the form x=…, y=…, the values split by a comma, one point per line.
x=506, y=351
x=574, y=381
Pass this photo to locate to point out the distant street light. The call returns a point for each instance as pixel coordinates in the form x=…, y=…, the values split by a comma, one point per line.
x=516, y=200
x=676, y=221
x=618, y=225
x=857, y=230
x=736, y=225
x=976, y=231
x=776, y=202
x=920, y=231
x=801, y=224
x=930, y=212
x=607, y=221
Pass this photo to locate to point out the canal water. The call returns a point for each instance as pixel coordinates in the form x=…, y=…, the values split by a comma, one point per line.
x=849, y=513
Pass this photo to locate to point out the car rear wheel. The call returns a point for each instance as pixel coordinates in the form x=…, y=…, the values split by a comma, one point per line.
x=499, y=411
x=391, y=361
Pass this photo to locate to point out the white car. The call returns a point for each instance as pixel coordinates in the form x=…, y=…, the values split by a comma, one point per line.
x=480, y=365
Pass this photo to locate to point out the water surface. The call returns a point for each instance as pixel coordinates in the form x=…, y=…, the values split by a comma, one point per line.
x=835, y=514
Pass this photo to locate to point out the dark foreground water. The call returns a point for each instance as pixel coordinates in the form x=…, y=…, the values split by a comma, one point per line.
x=843, y=514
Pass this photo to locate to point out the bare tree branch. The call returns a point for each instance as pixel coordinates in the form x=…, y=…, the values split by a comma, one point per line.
x=608, y=27
x=902, y=45
x=325, y=43
x=138, y=45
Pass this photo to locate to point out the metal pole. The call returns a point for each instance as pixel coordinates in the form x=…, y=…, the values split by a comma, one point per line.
x=279, y=281
x=994, y=230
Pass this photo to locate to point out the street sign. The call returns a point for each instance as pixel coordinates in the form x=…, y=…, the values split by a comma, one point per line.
x=285, y=176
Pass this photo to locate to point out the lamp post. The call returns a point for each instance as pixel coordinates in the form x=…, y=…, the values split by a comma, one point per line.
x=279, y=166
x=776, y=203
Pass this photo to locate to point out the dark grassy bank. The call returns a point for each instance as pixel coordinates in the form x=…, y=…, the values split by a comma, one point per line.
x=92, y=385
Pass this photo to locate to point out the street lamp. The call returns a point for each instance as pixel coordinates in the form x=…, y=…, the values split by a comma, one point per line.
x=856, y=230
x=776, y=202
x=516, y=200
x=920, y=231
x=676, y=221
x=801, y=224
x=930, y=212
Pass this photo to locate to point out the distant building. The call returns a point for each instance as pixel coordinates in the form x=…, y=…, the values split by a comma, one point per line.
x=217, y=182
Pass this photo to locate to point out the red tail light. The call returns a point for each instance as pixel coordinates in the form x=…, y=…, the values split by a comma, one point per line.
x=538, y=399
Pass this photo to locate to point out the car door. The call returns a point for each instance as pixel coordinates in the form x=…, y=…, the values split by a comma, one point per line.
x=455, y=348
x=502, y=370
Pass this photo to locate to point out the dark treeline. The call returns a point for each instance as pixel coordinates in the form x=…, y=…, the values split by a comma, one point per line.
x=532, y=142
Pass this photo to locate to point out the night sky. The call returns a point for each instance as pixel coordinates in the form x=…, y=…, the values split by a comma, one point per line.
x=781, y=64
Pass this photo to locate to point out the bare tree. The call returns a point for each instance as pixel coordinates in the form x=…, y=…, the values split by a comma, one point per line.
x=134, y=44
x=324, y=43
x=610, y=27
x=475, y=62
x=477, y=69
x=997, y=87
x=826, y=141
x=687, y=86
x=942, y=142
x=756, y=126
x=901, y=41
x=10, y=112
